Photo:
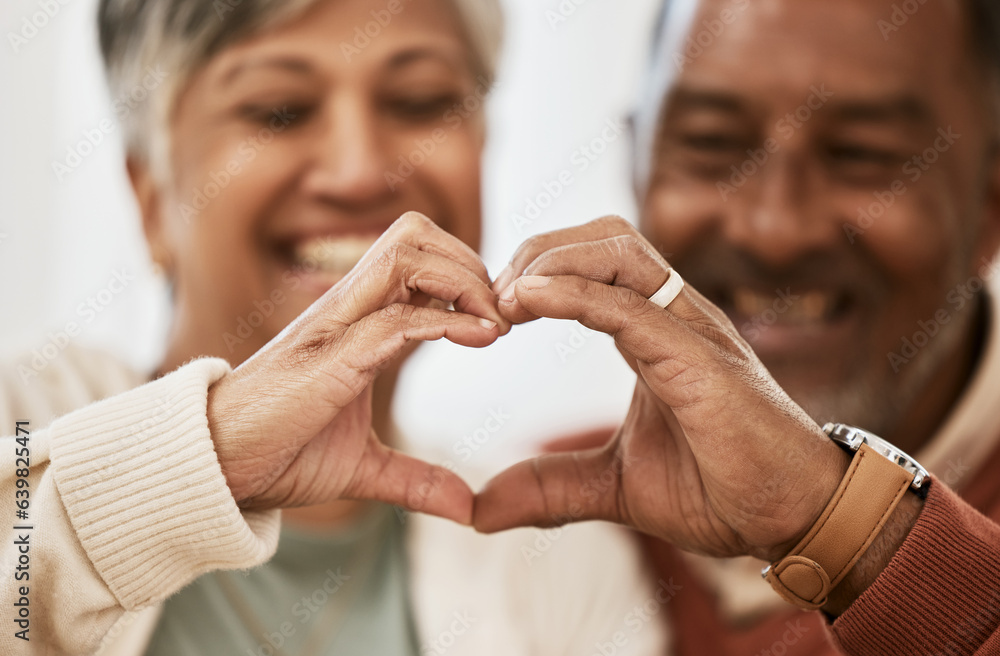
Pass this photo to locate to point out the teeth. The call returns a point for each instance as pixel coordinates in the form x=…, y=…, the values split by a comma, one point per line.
x=749, y=303
x=813, y=306
x=806, y=307
x=333, y=254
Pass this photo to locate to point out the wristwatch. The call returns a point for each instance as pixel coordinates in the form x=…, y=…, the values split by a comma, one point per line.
x=879, y=476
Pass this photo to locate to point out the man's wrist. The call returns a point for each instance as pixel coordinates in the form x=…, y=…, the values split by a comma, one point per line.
x=859, y=523
x=832, y=463
x=878, y=556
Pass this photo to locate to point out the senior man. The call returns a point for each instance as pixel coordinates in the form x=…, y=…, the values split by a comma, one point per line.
x=827, y=175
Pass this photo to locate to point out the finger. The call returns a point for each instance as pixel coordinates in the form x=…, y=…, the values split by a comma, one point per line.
x=603, y=228
x=683, y=335
x=580, y=442
x=381, y=336
x=552, y=490
x=624, y=260
x=401, y=274
x=351, y=360
x=391, y=477
x=420, y=232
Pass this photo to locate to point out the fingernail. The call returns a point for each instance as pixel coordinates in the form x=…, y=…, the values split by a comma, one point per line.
x=508, y=293
x=486, y=323
x=504, y=278
x=534, y=282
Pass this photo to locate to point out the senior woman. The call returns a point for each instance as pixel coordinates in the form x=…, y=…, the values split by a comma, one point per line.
x=269, y=169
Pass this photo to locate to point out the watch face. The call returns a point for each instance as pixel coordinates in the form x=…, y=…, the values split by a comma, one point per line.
x=853, y=438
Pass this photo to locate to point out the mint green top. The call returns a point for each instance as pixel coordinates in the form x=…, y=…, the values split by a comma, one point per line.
x=344, y=593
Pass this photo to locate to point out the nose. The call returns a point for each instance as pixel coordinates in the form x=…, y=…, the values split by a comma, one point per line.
x=778, y=218
x=350, y=160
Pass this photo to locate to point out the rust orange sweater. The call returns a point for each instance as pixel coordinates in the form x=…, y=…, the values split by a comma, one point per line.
x=939, y=595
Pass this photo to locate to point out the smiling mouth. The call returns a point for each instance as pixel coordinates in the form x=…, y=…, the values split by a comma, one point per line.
x=786, y=306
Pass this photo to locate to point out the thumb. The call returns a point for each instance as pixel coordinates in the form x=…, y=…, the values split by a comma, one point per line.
x=590, y=439
x=552, y=490
x=389, y=476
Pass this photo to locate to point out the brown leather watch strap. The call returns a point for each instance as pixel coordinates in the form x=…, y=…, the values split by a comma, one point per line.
x=860, y=507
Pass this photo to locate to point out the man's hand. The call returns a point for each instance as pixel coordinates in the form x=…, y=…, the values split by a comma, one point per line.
x=292, y=425
x=713, y=456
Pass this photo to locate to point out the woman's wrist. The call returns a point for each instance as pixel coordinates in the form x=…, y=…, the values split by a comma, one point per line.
x=220, y=418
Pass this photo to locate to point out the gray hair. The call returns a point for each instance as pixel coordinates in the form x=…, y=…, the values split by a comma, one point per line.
x=151, y=48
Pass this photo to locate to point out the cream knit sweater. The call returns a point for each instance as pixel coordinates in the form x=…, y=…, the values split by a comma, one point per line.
x=128, y=504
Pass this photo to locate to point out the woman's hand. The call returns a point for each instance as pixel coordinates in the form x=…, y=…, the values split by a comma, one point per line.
x=713, y=456
x=292, y=425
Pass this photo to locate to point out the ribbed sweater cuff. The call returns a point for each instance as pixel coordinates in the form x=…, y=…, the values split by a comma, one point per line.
x=939, y=594
x=144, y=490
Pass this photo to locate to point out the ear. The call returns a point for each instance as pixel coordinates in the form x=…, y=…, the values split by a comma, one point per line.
x=147, y=195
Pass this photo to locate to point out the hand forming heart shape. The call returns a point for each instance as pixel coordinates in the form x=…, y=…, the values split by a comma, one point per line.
x=712, y=456
x=292, y=425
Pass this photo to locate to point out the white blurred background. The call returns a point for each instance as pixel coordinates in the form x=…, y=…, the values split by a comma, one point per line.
x=60, y=240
